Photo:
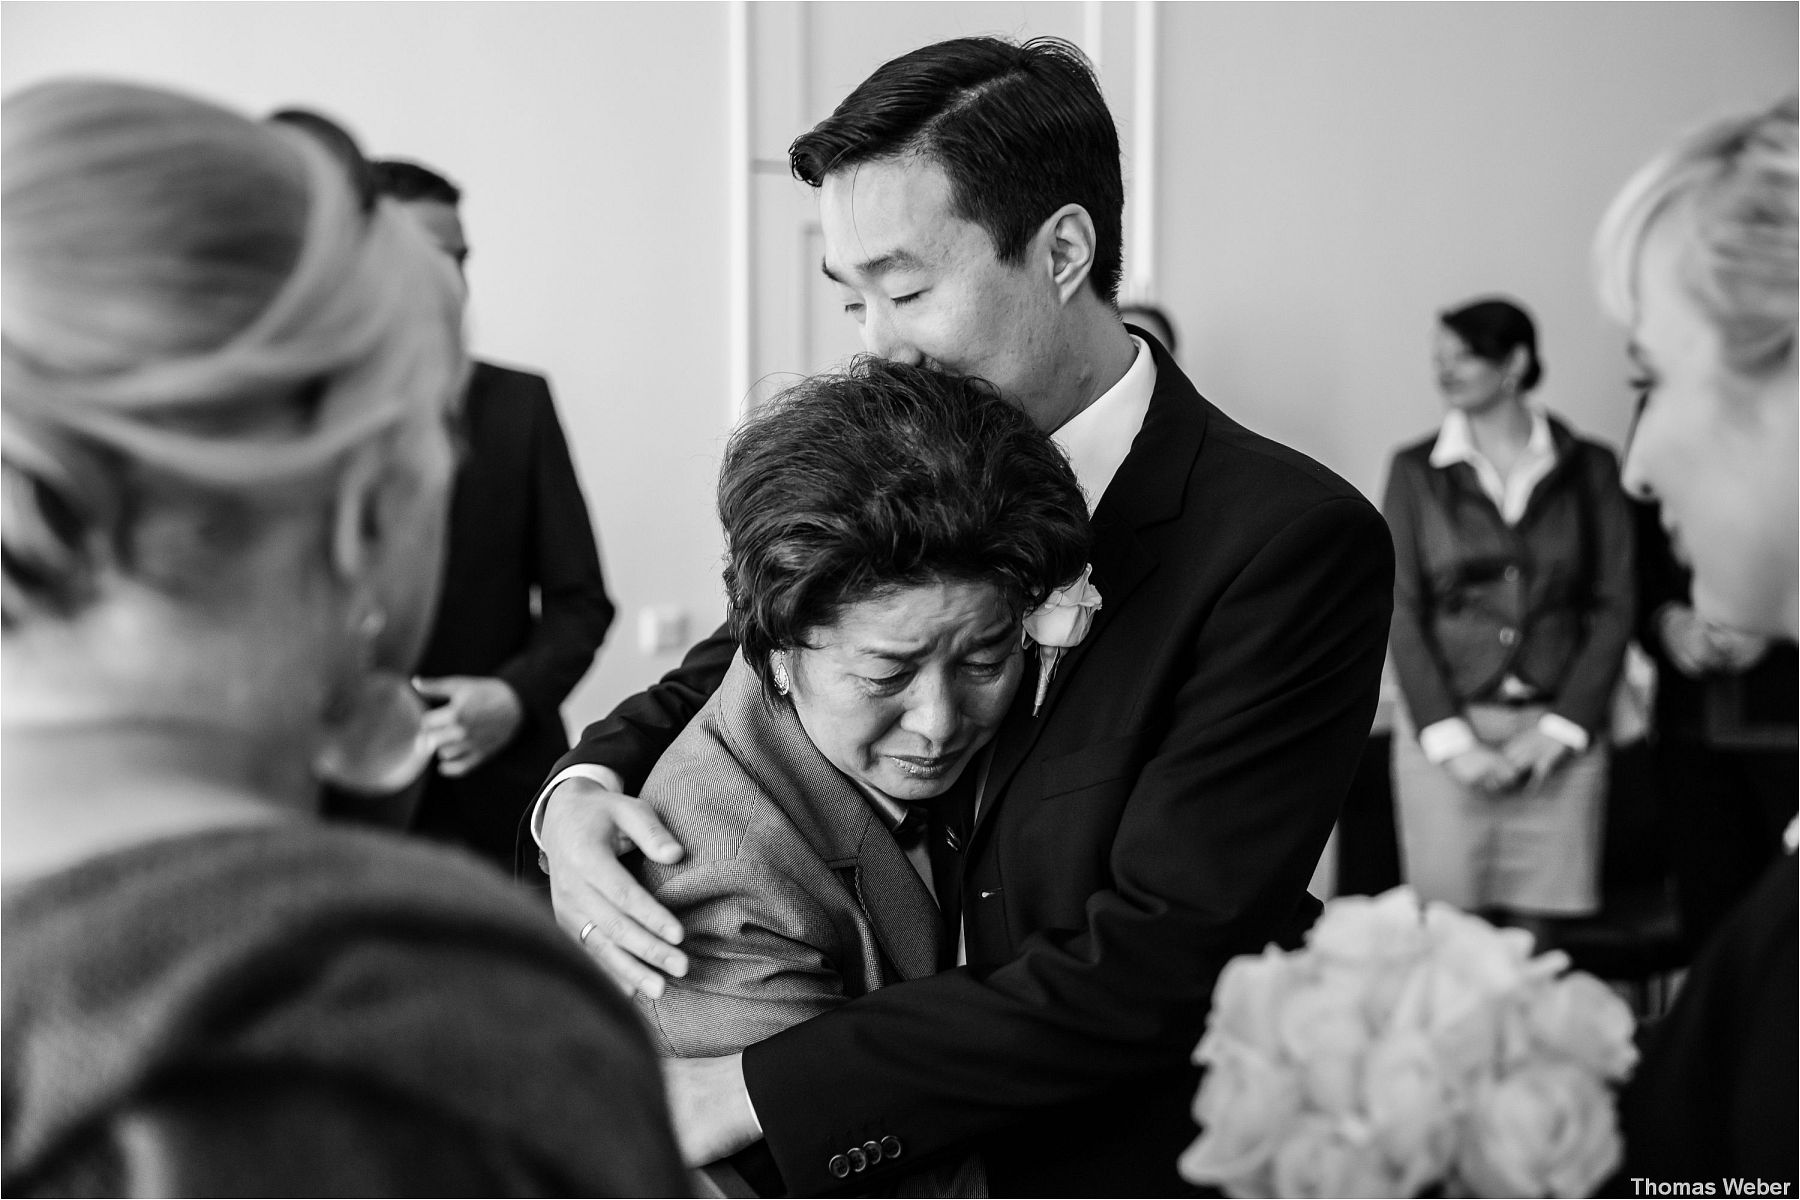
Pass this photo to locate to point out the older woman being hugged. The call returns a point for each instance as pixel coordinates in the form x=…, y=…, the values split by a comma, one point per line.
x=227, y=452
x=887, y=532
x=1698, y=260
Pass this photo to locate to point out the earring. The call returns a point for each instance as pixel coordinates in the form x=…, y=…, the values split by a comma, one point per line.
x=373, y=744
x=778, y=668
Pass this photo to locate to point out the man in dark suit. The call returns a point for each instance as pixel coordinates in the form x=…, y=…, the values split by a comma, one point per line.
x=524, y=607
x=1163, y=807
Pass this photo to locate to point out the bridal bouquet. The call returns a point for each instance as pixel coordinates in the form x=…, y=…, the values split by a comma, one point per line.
x=1409, y=1049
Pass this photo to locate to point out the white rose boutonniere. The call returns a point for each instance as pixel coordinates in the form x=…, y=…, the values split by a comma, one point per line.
x=1059, y=624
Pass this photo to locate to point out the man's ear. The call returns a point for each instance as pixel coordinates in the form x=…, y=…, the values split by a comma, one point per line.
x=356, y=515
x=1069, y=236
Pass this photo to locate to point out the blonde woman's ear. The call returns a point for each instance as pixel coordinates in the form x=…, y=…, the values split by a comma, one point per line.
x=356, y=514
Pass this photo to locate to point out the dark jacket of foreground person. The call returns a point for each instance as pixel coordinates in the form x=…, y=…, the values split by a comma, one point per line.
x=1717, y=1093
x=299, y=1011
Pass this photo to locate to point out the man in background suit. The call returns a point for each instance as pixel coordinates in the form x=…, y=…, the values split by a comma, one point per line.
x=524, y=605
x=1164, y=806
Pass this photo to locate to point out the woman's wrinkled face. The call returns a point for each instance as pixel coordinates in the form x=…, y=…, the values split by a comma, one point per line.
x=1466, y=380
x=906, y=686
x=1718, y=451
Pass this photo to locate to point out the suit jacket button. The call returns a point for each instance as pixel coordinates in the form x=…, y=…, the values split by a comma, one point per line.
x=1508, y=636
x=859, y=1162
x=839, y=1166
x=890, y=1146
x=873, y=1150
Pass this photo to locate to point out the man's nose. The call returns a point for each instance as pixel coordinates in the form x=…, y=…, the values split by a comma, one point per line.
x=881, y=339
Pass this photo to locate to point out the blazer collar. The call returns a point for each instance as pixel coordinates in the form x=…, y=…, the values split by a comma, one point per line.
x=834, y=817
x=1459, y=474
x=1150, y=488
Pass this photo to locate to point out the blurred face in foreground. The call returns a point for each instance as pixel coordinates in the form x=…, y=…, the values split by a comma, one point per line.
x=902, y=690
x=1719, y=450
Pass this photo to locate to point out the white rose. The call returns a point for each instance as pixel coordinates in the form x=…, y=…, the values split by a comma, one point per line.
x=1581, y=1018
x=1324, y=1157
x=1461, y=1022
x=1245, y=1104
x=1369, y=928
x=1411, y=1108
x=1247, y=998
x=1324, y=1033
x=1487, y=959
x=1546, y=1129
x=1063, y=619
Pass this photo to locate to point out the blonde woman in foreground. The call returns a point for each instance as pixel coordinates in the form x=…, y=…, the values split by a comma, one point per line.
x=1697, y=258
x=227, y=451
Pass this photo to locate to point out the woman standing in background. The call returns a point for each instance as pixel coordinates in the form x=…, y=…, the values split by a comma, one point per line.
x=1512, y=611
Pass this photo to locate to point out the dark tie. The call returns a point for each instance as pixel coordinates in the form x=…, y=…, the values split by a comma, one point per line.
x=949, y=822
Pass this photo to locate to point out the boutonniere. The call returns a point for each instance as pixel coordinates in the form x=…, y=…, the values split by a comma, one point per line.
x=1059, y=624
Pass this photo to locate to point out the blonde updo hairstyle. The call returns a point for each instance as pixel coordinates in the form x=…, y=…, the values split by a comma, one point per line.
x=1731, y=187
x=203, y=331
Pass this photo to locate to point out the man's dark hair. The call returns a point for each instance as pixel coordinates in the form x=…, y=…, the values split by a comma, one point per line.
x=887, y=476
x=1492, y=329
x=341, y=144
x=1021, y=130
x=408, y=181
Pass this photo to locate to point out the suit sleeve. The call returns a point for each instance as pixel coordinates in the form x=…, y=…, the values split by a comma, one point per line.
x=574, y=609
x=760, y=952
x=1585, y=696
x=634, y=735
x=1220, y=834
x=1423, y=681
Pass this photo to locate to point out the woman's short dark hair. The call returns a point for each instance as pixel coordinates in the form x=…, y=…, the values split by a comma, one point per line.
x=1492, y=329
x=886, y=476
x=1020, y=129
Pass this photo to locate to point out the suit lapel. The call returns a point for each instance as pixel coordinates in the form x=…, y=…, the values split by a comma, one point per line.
x=904, y=916
x=1149, y=488
x=836, y=820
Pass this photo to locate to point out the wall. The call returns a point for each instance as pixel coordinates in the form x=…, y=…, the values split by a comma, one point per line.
x=1335, y=174
x=597, y=219
x=1329, y=177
